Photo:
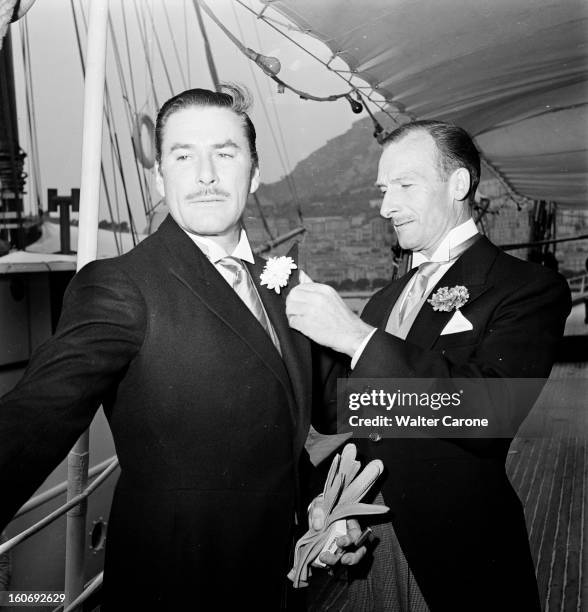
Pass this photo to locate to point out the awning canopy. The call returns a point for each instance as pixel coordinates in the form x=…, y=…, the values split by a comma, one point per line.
x=514, y=73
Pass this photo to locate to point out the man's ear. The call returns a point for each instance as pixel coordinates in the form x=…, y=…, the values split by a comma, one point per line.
x=254, y=180
x=159, y=181
x=460, y=183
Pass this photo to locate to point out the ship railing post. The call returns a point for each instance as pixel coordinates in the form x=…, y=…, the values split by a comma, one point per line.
x=87, y=249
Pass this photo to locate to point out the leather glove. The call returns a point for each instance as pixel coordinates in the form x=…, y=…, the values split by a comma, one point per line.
x=343, y=490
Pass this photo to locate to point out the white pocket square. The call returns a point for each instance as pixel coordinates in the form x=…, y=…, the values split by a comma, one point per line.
x=457, y=323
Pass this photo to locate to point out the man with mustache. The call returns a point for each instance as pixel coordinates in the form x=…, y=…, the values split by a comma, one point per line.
x=456, y=537
x=206, y=388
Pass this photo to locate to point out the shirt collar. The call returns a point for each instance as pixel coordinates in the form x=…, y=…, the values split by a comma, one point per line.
x=215, y=253
x=455, y=237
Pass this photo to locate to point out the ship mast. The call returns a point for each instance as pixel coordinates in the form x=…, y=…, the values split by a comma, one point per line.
x=78, y=458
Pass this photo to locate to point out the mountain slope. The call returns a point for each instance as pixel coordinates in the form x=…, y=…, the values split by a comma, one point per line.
x=345, y=165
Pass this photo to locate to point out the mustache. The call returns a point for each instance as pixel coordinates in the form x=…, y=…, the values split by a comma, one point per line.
x=207, y=193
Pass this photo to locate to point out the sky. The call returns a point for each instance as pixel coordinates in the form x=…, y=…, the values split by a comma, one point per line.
x=289, y=128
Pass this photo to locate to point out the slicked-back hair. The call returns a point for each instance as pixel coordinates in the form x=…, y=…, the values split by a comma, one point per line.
x=455, y=149
x=234, y=97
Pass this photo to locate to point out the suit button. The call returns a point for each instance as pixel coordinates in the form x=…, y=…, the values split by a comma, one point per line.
x=375, y=437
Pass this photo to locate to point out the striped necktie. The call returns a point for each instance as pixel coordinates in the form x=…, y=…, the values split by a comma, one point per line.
x=245, y=288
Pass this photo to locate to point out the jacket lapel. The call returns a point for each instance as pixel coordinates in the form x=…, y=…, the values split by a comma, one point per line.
x=378, y=311
x=470, y=270
x=295, y=347
x=193, y=269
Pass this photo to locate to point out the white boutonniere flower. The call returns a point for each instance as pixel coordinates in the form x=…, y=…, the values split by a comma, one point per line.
x=446, y=299
x=276, y=272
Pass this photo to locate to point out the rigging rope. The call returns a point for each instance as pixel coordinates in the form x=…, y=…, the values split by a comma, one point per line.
x=285, y=168
x=124, y=15
x=187, y=43
x=31, y=115
x=158, y=42
x=141, y=176
x=116, y=198
x=143, y=184
x=258, y=60
x=354, y=87
x=288, y=175
x=173, y=39
x=147, y=54
x=207, y=48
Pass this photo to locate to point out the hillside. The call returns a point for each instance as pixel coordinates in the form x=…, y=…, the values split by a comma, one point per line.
x=333, y=178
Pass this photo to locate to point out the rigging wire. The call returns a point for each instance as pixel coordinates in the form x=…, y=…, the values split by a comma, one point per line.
x=207, y=48
x=187, y=43
x=516, y=197
x=143, y=34
x=262, y=216
x=288, y=175
x=34, y=117
x=173, y=39
x=143, y=184
x=158, y=43
x=124, y=186
x=115, y=189
x=381, y=105
x=261, y=61
x=271, y=67
x=272, y=132
x=124, y=15
x=141, y=176
x=31, y=115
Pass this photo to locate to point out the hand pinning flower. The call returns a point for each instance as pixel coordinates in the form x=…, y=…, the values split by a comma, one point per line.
x=276, y=272
x=446, y=299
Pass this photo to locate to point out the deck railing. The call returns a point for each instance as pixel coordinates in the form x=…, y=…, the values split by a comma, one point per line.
x=102, y=471
x=579, y=288
x=578, y=284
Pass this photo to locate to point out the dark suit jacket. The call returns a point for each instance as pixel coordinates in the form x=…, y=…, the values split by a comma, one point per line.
x=208, y=421
x=457, y=517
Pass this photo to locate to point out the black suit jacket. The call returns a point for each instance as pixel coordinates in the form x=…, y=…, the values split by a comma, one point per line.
x=459, y=522
x=208, y=421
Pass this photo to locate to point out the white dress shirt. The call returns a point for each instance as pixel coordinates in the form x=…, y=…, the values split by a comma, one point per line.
x=215, y=253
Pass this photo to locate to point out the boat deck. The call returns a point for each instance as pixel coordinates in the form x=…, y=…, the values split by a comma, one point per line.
x=550, y=474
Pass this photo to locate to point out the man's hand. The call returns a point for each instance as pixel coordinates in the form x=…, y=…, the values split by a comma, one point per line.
x=316, y=521
x=318, y=312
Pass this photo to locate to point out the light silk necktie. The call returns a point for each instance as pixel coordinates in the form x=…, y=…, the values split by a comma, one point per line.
x=419, y=287
x=245, y=289
x=424, y=273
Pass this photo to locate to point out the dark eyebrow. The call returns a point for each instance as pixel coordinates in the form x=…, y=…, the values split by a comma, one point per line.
x=225, y=144
x=221, y=145
x=179, y=145
x=405, y=176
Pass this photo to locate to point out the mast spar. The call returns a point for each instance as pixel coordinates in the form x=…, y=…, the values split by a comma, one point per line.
x=78, y=458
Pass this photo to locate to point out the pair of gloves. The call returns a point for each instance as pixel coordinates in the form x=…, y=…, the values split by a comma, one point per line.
x=342, y=492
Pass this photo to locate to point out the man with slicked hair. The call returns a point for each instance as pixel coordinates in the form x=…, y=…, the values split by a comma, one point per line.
x=455, y=538
x=206, y=388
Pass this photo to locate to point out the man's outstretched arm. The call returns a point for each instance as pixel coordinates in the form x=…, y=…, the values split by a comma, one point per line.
x=100, y=330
